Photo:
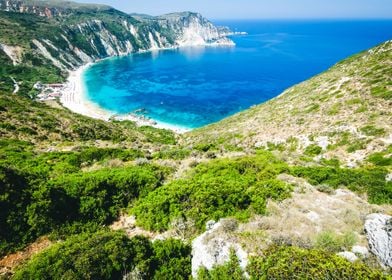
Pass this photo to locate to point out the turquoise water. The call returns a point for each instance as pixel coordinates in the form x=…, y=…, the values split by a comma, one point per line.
x=192, y=87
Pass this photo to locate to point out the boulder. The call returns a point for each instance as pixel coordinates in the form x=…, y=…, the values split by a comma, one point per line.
x=350, y=256
x=378, y=228
x=361, y=251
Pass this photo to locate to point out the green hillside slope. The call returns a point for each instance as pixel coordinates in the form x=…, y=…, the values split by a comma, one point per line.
x=344, y=113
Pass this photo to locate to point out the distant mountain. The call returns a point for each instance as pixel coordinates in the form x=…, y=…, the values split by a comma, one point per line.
x=49, y=8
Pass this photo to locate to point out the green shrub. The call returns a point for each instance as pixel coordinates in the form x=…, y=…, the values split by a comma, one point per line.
x=172, y=260
x=370, y=130
x=295, y=263
x=173, y=153
x=156, y=135
x=332, y=242
x=379, y=159
x=231, y=270
x=356, y=145
x=312, y=108
x=205, y=147
x=215, y=190
x=313, y=150
x=363, y=180
x=68, y=204
x=283, y=262
x=109, y=255
x=383, y=92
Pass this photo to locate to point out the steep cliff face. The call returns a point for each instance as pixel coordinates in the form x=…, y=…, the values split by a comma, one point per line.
x=191, y=28
x=68, y=35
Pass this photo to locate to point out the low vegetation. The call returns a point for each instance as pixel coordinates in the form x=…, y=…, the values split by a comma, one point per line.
x=295, y=263
x=33, y=206
x=110, y=255
x=217, y=189
x=284, y=262
x=24, y=119
x=371, y=181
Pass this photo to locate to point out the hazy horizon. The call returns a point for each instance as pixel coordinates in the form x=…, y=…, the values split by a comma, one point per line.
x=261, y=9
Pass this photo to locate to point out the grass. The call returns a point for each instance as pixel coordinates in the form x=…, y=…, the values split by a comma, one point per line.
x=332, y=242
x=370, y=130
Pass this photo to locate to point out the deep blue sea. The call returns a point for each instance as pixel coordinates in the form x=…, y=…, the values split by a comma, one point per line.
x=192, y=87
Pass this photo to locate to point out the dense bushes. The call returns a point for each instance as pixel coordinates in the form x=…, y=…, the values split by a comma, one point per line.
x=383, y=158
x=67, y=204
x=220, y=188
x=19, y=154
x=295, y=263
x=228, y=271
x=156, y=135
x=283, y=262
x=58, y=125
x=110, y=255
x=171, y=260
x=15, y=196
x=363, y=180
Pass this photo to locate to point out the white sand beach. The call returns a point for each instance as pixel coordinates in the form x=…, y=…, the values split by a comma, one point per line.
x=74, y=98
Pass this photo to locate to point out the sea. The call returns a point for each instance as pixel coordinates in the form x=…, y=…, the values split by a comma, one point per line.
x=196, y=86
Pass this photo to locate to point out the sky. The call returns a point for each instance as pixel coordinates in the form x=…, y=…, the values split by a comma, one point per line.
x=259, y=9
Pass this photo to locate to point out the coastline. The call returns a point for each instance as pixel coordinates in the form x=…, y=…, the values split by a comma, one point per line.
x=74, y=98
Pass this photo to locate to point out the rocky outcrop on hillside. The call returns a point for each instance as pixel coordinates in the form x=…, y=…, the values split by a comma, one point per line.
x=192, y=29
x=215, y=245
x=378, y=229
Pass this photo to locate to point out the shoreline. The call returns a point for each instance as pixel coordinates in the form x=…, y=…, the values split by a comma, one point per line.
x=74, y=98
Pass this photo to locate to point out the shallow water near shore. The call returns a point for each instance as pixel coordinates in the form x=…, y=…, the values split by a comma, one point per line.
x=193, y=87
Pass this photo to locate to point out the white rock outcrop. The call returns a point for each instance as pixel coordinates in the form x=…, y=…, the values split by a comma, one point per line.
x=213, y=248
x=13, y=52
x=378, y=228
x=360, y=251
x=350, y=256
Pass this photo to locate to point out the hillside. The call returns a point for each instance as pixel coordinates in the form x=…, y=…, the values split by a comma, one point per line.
x=344, y=113
x=296, y=188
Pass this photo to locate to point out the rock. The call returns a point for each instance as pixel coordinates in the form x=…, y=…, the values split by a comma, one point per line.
x=361, y=251
x=213, y=248
x=313, y=216
x=378, y=228
x=351, y=257
x=210, y=225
